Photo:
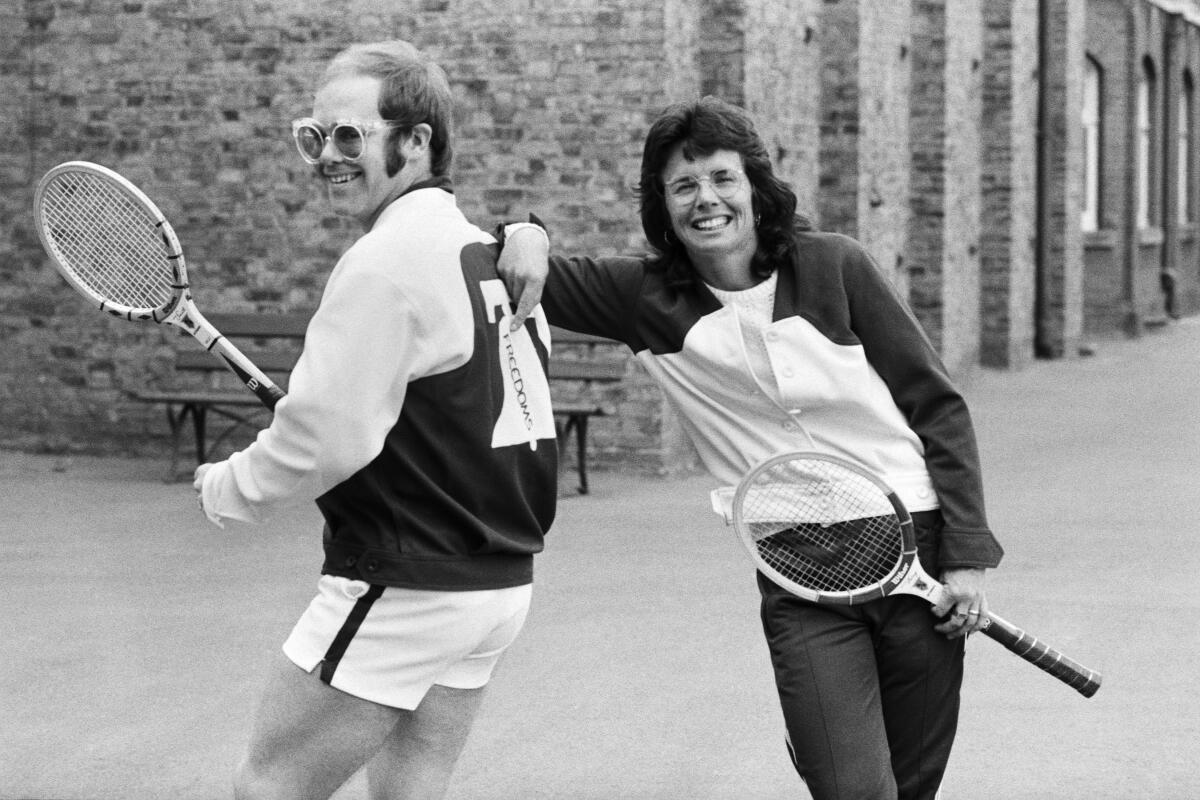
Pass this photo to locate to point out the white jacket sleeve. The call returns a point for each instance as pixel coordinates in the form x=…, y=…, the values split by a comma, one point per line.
x=364, y=345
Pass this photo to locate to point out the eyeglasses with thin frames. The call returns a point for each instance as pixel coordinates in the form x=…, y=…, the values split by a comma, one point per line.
x=684, y=190
x=349, y=137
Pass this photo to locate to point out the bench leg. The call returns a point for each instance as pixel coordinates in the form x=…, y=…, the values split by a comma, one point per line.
x=578, y=424
x=572, y=423
x=581, y=426
x=175, y=421
x=199, y=426
x=198, y=411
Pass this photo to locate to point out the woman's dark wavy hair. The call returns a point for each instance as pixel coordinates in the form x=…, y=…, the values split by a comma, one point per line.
x=703, y=127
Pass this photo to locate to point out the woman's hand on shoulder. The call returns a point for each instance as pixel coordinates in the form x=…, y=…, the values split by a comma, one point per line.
x=523, y=266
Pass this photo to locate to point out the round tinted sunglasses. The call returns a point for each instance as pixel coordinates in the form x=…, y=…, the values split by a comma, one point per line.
x=349, y=137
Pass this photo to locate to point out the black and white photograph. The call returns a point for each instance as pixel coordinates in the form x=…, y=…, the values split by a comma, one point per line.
x=599, y=400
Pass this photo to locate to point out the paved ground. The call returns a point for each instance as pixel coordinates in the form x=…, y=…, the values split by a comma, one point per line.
x=135, y=635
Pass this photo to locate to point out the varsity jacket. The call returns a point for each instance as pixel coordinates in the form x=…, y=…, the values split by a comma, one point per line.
x=420, y=426
x=854, y=376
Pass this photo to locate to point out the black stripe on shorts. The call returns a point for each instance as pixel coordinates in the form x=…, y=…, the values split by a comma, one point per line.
x=350, y=627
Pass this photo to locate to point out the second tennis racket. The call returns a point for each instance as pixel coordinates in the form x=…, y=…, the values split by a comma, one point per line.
x=831, y=532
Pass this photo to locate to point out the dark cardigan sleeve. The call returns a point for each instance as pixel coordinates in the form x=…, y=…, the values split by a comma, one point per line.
x=906, y=360
x=594, y=296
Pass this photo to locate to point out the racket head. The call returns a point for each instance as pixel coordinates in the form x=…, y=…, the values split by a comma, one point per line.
x=824, y=528
x=110, y=241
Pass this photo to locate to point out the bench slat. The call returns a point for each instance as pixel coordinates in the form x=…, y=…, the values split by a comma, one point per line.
x=586, y=371
x=184, y=397
x=198, y=360
x=266, y=325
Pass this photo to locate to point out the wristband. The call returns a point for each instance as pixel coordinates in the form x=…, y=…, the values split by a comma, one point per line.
x=516, y=226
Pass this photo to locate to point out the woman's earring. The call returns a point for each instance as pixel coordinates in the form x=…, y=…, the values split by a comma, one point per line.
x=757, y=219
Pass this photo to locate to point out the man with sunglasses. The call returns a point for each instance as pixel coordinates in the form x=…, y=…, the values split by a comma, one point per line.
x=421, y=424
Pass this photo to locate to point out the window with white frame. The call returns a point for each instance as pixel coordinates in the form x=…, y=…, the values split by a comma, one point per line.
x=1092, y=84
x=1183, y=164
x=1145, y=143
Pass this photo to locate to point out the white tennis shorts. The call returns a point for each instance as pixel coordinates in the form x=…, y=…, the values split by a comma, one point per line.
x=389, y=645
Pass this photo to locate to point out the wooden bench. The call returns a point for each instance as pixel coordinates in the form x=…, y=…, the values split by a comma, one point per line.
x=273, y=342
x=573, y=358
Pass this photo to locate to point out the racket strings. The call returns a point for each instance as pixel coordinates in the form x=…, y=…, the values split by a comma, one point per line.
x=828, y=529
x=109, y=242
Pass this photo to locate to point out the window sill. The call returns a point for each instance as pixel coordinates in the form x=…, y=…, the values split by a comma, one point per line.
x=1150, y=237
x=1103, y=239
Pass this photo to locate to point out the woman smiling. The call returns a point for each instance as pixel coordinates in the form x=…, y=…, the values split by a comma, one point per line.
x=769, y=336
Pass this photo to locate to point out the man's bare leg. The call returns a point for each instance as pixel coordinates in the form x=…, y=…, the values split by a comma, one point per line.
x=418, y=758
x=308, y=738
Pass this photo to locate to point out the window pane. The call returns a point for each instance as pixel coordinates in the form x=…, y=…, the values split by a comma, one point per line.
x=1091, y=147
x=1183, y=173
x=1143, y=150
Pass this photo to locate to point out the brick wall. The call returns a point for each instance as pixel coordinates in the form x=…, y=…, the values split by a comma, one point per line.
x=926, y=261
x=884, y=73
x=1060, y=320
x=193, y=101
x=1122, y=262
x=781, y=90
x=1009, y=177
x=910, y=125
x=838, y=111
x=944, y=233
x=1187, y=250
x=963, y=154
x=1109, y=41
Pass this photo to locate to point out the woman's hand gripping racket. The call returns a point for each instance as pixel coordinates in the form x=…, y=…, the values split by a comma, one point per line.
x=113, y=245
x=830, y=532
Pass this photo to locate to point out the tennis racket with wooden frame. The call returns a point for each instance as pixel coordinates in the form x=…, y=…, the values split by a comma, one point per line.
x=114, y=246
x=831, y=532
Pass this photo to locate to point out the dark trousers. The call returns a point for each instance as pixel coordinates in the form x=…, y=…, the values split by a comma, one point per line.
x=870, y=693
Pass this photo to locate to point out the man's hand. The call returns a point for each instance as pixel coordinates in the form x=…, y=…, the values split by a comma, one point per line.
x=198, y=485
x=198, y=477
x=523, y=266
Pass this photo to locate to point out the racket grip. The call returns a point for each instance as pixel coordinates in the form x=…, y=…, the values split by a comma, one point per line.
x=1035, y=651
x=269, y=394
x=254, y=378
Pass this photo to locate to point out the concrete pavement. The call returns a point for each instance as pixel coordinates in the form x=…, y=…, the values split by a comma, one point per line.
x=135, y=635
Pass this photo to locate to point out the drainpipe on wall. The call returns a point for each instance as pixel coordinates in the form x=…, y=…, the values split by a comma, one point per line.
x=1173, y=85
x=1041, y=348
x=1133, y=318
